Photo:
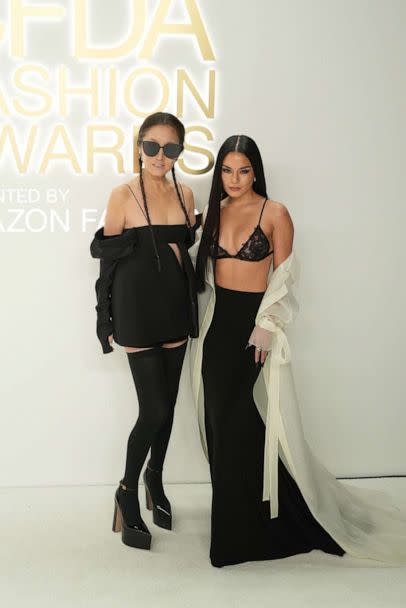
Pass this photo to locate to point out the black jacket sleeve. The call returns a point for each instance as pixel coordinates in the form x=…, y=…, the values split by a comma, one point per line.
x=109, y=249
x=104, y=324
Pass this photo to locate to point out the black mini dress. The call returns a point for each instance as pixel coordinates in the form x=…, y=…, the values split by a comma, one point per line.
x=149, y=306
x=140, y=303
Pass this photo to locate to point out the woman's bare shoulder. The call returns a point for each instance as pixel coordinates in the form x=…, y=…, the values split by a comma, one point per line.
x=189, y=198
x=124, y=188
x=276, y=214
x=116, y=209
x=278, y=225
x=186, y=189
x=276, y=209
x=121, y=193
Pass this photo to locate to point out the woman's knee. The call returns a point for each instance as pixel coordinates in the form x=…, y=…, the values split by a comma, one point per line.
x=148, y=423
x=156, y=414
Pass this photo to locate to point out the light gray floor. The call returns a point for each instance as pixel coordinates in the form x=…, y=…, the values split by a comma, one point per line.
x=57, y=549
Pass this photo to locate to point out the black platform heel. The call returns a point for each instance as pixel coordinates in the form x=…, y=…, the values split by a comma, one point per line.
x=161, y=514
x=132, y=535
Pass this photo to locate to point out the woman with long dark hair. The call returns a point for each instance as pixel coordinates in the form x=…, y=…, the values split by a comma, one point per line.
x=146, y=302
x=271, y=497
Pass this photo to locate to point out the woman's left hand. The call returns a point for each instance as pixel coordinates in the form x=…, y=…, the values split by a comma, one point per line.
x=261, y=340
x=260, y=355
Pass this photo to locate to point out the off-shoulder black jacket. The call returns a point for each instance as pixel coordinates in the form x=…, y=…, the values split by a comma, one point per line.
x=109, y=250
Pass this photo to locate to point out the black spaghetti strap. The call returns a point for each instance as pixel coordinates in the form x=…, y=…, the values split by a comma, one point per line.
x=183, y=196
x=184, y=203
x=143, y=212
x=262, y=210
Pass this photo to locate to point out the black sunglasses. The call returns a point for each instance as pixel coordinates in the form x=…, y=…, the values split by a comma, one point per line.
x=151, y=148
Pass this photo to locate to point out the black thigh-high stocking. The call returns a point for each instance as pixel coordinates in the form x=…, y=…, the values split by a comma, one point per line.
x=150, y=378
x=173, y=361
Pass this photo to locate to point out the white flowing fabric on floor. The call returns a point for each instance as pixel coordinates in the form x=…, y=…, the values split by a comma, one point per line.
x=363, y=522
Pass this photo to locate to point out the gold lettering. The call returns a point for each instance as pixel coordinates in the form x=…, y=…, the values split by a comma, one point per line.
x=185, y=80
x=19, y=74
x=92, y=90
x=136, y=154
x=114, y=150
x=83, y=51
x=112, y=80
x=195, y=28
x=19, y=12
x=140, y=72
x=68, y=154
x=198, y=150
x=8, y=133
x=3, y=105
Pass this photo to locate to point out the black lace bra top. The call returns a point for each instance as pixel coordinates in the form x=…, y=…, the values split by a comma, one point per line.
x=254, y=249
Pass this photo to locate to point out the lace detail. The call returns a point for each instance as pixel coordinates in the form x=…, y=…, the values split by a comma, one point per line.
x=254, y=249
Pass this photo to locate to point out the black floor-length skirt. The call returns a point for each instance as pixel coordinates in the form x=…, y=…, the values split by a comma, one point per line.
x=241, y=527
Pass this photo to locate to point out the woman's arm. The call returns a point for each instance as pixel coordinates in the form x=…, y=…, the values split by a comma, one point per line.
x=282, y=233
x=189, y=203
x=193, y=250
x=115, y=216
x=104, y=324
x=114, y=224
x=194, y=218
x=282, y=240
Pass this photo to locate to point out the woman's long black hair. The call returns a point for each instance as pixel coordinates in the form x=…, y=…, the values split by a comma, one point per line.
x=167, y=119
x=235, y=143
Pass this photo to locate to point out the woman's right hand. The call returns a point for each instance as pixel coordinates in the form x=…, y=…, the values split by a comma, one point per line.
x=111, y=340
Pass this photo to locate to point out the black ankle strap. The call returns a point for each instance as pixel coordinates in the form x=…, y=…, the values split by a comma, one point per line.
x=153, y=470
x=126, y=488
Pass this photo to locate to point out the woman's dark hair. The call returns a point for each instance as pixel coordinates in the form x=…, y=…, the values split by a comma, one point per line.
x=153, y=120
x=235, y=143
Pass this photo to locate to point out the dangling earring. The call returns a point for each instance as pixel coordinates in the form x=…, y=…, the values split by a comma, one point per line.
x=255, y=179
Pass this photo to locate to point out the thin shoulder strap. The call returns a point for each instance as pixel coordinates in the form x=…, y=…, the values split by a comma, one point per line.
x=184, y=203
x=143, y=212
x=183, y=196
x=262, y=210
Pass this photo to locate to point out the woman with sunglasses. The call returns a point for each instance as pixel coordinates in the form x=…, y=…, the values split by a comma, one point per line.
x=146, y=303
x=271, y=498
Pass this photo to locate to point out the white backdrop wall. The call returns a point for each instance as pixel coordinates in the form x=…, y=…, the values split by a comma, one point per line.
x=319, y=84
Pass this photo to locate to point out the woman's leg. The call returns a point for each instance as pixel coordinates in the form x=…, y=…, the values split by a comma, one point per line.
x=234, y=431
x=173, y=362
x=173, y=356
x=150, y=379
x=241, y=527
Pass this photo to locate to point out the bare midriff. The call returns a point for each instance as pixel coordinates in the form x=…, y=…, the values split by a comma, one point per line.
x=241, y=275
x=176, y=250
